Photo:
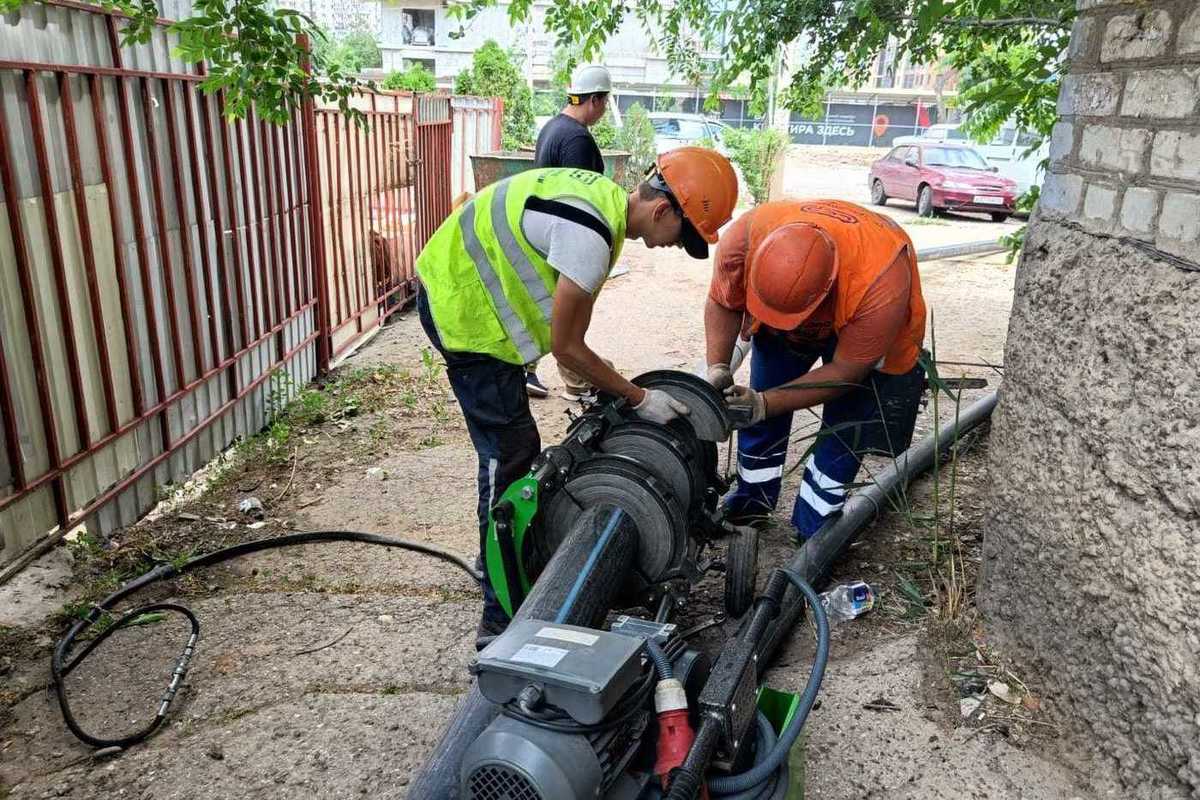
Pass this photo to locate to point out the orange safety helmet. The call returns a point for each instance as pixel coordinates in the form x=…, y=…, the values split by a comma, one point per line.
x=703, y=187
x=791, y=272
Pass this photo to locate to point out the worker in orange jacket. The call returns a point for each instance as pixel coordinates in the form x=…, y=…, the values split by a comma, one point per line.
x=815, y=279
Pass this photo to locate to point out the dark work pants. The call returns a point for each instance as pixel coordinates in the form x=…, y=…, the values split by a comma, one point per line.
x=491, y=394
x=877, y=417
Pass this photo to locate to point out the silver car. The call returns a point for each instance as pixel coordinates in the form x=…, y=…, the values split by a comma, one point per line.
x=673, y=130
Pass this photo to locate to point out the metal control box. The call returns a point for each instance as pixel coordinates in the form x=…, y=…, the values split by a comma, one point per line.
x=583, y=671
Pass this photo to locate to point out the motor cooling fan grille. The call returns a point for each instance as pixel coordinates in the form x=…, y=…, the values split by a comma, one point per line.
x=501, y=783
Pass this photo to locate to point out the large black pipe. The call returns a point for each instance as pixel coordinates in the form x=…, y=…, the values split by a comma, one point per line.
x=593, y=556
x=813, y=560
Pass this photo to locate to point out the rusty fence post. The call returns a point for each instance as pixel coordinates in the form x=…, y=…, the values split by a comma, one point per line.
x=497, y=123
x=312, y=175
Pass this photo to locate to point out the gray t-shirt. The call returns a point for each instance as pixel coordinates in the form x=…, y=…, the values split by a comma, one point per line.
x=575, y=251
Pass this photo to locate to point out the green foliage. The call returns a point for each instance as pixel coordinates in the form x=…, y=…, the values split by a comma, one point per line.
x=637, y=137
x=251, y=52
x=605, y=132
x=667, y=103
x=547, y=104
x=1010, y=52
x=414, y=79
x=756, y=151
x=563, y=61
x=1015, y=241
x=352, y=53
x=1017, y=82
x=494, y=73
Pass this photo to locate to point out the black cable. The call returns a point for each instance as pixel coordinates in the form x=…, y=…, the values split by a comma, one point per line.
x=63, y=661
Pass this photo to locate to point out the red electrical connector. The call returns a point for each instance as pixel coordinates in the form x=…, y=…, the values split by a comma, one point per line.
x=675, y=733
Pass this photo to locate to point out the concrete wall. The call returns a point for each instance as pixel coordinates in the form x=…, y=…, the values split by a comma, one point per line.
x=1093, y=553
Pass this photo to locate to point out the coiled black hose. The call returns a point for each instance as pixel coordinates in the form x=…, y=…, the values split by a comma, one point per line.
x=732, y=785
x=686, y=782
x=63, y=663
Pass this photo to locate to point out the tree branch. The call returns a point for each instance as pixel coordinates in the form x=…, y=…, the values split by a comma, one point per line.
x=1009, y=22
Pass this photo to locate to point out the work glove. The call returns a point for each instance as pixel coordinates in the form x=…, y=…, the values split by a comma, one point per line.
x=746, y=406
x=720, y=376
x=658, y=406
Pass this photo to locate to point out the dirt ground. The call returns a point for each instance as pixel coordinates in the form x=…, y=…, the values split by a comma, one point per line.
x=329, y=671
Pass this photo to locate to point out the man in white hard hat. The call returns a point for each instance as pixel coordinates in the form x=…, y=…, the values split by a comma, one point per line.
x=565, y=141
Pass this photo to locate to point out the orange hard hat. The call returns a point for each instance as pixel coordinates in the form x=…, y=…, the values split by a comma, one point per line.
x=791, y=271
x=704, y=186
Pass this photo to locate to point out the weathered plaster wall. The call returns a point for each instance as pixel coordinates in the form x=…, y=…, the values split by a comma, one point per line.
x=1092, y=558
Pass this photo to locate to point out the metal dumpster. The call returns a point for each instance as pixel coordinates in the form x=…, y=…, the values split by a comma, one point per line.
x=500, y=164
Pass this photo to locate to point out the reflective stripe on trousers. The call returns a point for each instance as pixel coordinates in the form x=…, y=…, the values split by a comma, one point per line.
x=762, y=450
x=520, y=335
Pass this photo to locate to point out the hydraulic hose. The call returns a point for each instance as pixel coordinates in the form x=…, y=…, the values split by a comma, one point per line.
x=63, y=661
x=726, y=785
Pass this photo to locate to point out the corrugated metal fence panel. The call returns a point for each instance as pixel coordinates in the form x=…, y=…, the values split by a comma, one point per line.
x=65, y=32
x=162, y=254
x=368, y=210
x=476, y=130
x=162, y=268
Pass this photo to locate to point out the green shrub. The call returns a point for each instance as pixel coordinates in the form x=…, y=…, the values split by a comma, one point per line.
x=637, y=137
x=494, y=73
x=351, y=53
x=414, y=79
x=605, y=132
x=755, y=152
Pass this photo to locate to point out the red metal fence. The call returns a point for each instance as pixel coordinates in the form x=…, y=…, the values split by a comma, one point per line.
x=159, y=265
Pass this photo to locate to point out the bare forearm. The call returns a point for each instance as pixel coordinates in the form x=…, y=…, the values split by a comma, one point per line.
x=580, y=358
x=815, y=388
x=721, y=327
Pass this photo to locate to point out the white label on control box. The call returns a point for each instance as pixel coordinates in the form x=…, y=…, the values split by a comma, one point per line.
x=563, y=635
x=538, y=654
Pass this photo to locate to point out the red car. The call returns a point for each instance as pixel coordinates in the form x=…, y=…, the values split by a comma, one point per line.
x=942, y=176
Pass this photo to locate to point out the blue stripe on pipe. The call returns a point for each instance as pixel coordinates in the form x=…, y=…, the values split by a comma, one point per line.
x=565, y=608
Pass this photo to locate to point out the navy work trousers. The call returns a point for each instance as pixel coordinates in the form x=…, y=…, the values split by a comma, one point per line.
x=491, y=394
x=877, y=417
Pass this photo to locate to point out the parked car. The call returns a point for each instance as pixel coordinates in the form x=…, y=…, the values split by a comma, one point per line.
x=942, y=132
x=942, y=176
x=673, y=130
x=1008, y=151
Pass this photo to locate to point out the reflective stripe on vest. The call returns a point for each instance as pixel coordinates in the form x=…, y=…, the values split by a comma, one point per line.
x=515, y=255
x=522, y=339
x=489, y=290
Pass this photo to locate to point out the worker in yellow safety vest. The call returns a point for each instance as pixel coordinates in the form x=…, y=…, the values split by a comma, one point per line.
x=513, y=275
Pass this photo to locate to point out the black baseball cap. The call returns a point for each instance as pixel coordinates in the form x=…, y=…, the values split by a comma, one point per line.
x=689, y=237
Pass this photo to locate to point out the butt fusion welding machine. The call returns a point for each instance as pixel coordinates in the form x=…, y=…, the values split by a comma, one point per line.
x=575, y=702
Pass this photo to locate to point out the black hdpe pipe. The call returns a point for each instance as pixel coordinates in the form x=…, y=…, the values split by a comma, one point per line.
x=814, y=558
x=586, y=571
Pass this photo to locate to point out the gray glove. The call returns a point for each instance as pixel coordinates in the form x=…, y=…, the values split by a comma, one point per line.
x=720, y=376
x=658, y=406
x=746, y=406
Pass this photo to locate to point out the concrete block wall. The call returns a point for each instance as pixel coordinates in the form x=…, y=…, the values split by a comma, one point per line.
x=1092, y=555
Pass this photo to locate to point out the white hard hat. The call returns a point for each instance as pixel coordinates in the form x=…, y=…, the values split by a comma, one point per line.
x=590, y=80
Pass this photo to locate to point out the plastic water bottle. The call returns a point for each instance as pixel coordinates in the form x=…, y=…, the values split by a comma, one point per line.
x=848, y=600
